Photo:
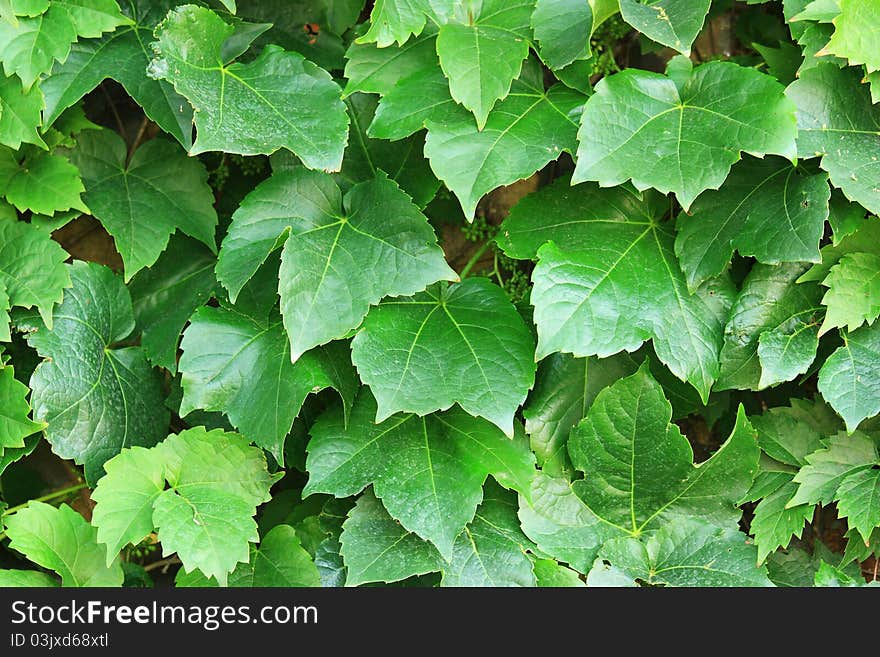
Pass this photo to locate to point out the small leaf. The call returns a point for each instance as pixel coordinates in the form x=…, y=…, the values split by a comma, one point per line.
x=672, y=23
x=827, y=468
x=858, y=500
x=849, y=380
x=563, y=28
x=43, y=183
x=15, y=425
x=853, y=295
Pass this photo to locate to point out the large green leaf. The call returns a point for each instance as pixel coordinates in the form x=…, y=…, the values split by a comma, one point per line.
x=122, y=55
x=33, y=271
x=237, y=361
x=141, y=201
x=327, y=240
x=772, y=333
x=604, y=264
x=278, y=100
x=639, y=468
x=463, y=343
x=682, y=138
x=96, y=397
x=850, y=379
x=482, y=52
x=673, y=23
x=837, y=121
x=765, y=209
x=428, y=471
x=165, y=295
x=530, y=128
x=688, y=553
x=60, y=539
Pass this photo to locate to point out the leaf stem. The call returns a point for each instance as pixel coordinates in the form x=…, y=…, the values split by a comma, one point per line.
x=475, y=258
x=45, y=498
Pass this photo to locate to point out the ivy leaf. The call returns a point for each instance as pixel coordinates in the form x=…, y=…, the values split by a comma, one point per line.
x=563, y=28
x=378, y=70
x=775, y=523
x=600, y=267
x=321, y=231
x=854, y=28
x=774, y=312
x=26, y=579
x=142, y=201
x=550, y=574
x=561, y=524
x=466, y=157
x=565, y=388
x=367, y=158
x=280, y=99
x=428, y=471
x=96, y=397
x=789, y=434
x=827, y=575
x=639, y=467
x=33, y=272
x=672, y=23
x=19, y=114
x=853, y=295
x=396, y=20
x=827, y=468
x=165, y=295
x=122, y=55
x=33, y=44
x=430, y=351
x=238, y=362
x=370, y=535
x=61, y=540
x=837, y=121
x=42, y=183
x=858, y=500
x=764, y=209
x=849, y=379
x=688, y=553
x=15, y=425
x=484, y=53
x=721, y=108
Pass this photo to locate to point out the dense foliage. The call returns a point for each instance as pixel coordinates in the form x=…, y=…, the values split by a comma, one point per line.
x=276, y=311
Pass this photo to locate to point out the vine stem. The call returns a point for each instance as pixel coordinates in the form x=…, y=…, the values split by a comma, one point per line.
x=45, y=498
x=475, y=258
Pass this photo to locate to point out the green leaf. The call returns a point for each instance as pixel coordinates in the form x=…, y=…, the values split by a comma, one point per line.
x=563, y=28
x=143, y=200
x=279, y=561
x=672, y=23
x=565, y=388
x=484, y=53
x=96, y=397
x=827, y=468
x=855, y=29
x=216, y=483
x=828, y=575
x=61, y=540
x=166, y=295
x=775, y=523
x=430, y=351
x=837, y=121
x=19, y=114
x=691, y=135
x=42, y=183
x=549, y=574
x=608, y=266
x=327, y=238
x=367, y=158
x=26, y=579
x=849, y=380
x=863, y=238
x=428, y=471
x=238, y=362
x=688, y=553
x=853, y=295
x=561, y=524
x=369, y=534
x=122, y=55
x=469, y=158
x=764, y=209
x=396, y=20
x=125, y=497
x=30, y=47
x=858, y=500
x=790, y=433
x=33, y=271
x=278, y=100
x=379, y=70
x=639, y=467
x=15, y=425
x=775, y=312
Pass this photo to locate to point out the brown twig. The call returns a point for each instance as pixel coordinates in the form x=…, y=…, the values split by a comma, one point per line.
x=139, y=137
x=119, y=124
